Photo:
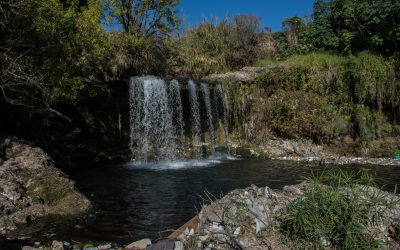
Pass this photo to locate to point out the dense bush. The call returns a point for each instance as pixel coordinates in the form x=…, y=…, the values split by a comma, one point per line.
x=298, y=114
x=217, y=46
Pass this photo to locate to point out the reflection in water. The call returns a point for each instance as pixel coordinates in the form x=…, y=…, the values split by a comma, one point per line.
x=134, y=201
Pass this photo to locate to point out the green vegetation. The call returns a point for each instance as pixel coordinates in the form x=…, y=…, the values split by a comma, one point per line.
x=331, y=75
x=218, y=46
x=337, y=214
x=322, y=97
x=345, y=26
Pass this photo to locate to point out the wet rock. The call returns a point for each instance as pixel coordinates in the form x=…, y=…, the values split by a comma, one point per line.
x=140, y=244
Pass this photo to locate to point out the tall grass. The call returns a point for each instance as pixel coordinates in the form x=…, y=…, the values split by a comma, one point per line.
x=336, y=212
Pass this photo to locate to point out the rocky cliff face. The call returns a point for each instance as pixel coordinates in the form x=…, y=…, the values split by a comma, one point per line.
x=31, y=188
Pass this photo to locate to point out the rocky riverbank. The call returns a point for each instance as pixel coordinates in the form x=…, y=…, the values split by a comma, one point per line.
x=305, y=151
x=32, y=189
x=251, y=218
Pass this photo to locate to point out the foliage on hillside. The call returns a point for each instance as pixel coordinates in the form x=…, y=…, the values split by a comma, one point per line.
x=322, y=97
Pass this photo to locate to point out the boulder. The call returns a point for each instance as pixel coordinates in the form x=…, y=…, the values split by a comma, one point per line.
x=31, y=188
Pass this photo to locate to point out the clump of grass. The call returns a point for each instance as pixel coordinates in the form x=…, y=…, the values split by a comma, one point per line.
x=334, y=212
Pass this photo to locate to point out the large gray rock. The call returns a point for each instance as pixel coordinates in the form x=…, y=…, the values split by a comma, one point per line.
x=32, y=188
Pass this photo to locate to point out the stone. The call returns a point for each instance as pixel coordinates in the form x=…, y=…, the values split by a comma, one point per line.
x=57, y=245
x=140, y=244
x=178, y=245
x=260, y=225
x=203, y=237
x=167, y=244
x=21, y=182
x=217, y=227
x=237, y=231
x=104, y=246
x=325, y=242
x=293, y=191
x=77, y=247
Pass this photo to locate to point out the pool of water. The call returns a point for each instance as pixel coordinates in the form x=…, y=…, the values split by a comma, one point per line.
x=134, y=200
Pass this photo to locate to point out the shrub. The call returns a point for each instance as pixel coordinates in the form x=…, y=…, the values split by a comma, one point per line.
x=369, y=125
x=217, y=46
x=323, y=96
x=297, y=114
x=337, y=214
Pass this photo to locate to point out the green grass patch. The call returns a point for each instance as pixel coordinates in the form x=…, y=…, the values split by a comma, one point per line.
x=335, y=212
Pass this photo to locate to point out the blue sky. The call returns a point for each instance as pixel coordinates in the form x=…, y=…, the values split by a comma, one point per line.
x=272, y=12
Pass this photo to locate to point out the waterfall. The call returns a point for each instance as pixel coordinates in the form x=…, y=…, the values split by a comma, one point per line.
x=157, y=119
x=177, y=113
x=152, y=129
x=195, y=114
x=225, y=105
x=206, y=95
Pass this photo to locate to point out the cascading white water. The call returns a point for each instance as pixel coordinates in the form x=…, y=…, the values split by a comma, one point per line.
x=206, y=96
x=195, y=114
x=225, y=104
x=152, y=129
x=177, y=113
x=157, y=121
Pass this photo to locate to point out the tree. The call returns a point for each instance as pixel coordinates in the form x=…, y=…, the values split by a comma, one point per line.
x=243, y=40
x=18, y=83
x=292, y=26
x=322, y=34
x=145, y=17
x=351, y=26
x=49, y=50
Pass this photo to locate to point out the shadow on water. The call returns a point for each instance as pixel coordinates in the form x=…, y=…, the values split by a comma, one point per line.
x=134, y=201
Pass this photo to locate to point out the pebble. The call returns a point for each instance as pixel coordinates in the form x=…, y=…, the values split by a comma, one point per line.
x=57, y=245
x=237, y=231
x=104, y=247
